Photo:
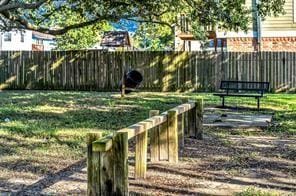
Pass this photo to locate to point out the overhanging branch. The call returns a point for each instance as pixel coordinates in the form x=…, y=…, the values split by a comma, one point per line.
x=152, y=21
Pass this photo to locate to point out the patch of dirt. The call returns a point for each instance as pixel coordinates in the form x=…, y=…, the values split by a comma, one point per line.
x=217, y=165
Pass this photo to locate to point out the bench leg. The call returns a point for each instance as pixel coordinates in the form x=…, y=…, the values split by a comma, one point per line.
x=223, y=102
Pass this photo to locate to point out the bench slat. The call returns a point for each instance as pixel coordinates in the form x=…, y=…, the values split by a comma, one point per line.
x=236, y=95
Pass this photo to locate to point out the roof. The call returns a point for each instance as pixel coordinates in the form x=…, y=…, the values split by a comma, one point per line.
x=116, y=39
x=190, y=36
x=39, y=35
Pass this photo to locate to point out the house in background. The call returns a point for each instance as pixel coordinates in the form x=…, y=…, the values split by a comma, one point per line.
x=272, y=34
x=185, y=40
x=42, y=41
x=116, y=40
x=16, y=40
x=26, y=40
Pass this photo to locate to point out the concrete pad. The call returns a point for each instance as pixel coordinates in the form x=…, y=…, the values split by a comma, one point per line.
x=237, y=120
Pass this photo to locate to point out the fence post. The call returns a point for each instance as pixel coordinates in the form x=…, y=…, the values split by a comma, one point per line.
x=199, y=118
x=173, y=136
x=93, y=166
x=154, y=139
x=141, y=154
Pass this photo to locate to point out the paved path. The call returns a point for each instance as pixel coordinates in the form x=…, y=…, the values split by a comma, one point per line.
x=237, y=120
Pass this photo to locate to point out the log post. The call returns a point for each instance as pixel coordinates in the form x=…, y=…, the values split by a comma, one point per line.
x=113, y=164
x=192, y=121
x=181, y=119
x=93, y=166
x=163, y=142
x=186, y=126
x=106, y=173
x=154, y=139
x=191, y=128
x=199, y=118
x=120, y=149
x=173, y=136
x=141, y=154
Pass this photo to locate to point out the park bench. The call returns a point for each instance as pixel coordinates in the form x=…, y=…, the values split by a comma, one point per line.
x=243, y=89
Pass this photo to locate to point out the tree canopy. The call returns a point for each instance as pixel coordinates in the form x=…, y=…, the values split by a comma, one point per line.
x=50, y=16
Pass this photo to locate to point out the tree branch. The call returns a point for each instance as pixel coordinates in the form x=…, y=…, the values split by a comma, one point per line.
x=12, y=6
x=152, y=21
x=60, y=31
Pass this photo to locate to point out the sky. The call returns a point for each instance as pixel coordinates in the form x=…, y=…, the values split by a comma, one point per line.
x=126, y=25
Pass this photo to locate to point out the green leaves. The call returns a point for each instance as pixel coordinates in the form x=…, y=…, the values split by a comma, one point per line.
x=60, y=16
x=83, y=38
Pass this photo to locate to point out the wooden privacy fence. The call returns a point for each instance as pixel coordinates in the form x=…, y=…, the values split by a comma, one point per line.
x=107, y=162
x=162, y=70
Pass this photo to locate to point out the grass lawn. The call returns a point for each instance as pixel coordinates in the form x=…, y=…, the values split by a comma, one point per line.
x=42, y=132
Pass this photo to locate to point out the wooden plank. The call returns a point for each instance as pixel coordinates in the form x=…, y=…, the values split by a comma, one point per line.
x=120, y=149
x=93, y=167
x=181, y=134
x=173, y=136
x=289, y=71
x=154, y=139
x=186, y=124
x=193, y=129
x=106, y=173
x=191, y=126
x=104, y=144
x=163, y=142
x=199, y=118
x=294, y=73
x=149, y=123
x=141, y=154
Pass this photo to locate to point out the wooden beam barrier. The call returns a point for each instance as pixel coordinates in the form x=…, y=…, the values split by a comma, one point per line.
x=154, y=121
x=108, y=156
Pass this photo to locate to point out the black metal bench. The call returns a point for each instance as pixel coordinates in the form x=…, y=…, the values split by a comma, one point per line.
x=243, y=89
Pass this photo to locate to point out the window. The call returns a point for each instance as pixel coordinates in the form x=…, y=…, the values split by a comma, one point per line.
x=38, y=41
x=22, y=37
x=7, y=37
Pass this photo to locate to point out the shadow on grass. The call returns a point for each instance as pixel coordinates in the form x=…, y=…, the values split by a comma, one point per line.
x=220, y=178
x=86, y=113
x=50, y=179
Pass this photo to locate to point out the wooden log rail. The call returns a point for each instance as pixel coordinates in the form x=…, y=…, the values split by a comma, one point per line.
x=107, y=162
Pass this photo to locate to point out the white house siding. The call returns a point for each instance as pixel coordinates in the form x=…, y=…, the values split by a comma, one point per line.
x=15, y=43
